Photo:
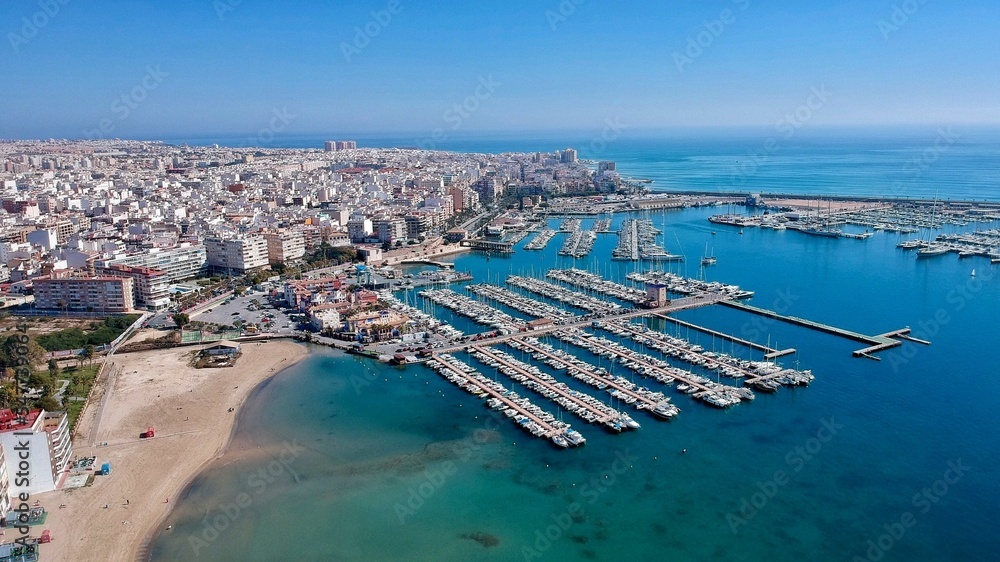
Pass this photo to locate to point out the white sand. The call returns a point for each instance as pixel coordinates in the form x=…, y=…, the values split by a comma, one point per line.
x=189, y=409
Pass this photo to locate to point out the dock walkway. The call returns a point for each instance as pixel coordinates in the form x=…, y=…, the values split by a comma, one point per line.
x=596, y=415
x=875, y=343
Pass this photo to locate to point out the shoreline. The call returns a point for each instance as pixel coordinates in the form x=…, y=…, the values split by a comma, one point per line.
x=96, y=524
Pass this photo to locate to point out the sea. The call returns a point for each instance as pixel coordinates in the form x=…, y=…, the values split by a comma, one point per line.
x=342, y=458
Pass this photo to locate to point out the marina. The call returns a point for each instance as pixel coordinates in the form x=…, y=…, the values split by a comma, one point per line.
x=564, y=295
x=524, y=304
x=593, y=282
x=541, y=240
x=598, y=377
x=582, y=405
x=532, y=418
x=579, y=244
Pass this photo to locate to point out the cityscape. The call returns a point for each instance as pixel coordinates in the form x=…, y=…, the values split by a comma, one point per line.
x=571, y=282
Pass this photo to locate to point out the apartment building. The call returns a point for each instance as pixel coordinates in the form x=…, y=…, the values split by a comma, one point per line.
x=93, y=294
x=151, y=286
x=43, y=438
x=285, y=246
x=236, y=255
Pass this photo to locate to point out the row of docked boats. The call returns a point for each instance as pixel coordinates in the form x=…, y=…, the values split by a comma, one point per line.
x=593, y=282
x=579, y=244
x=564, y=295
x=602, y=225
x=582, y=405
x=570, y=225
x=598, y=377
x=465, y=306
x=421, y=318
x=688, y=286
x=522, y=303
x=697, y=386
x=529, y=416
x=541, y=240
x=720, y=363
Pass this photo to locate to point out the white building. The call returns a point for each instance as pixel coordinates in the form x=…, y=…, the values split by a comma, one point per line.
x=236, y=255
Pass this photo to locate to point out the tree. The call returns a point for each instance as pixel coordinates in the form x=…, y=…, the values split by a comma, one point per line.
x=12, y=349
x=8, y=395
x=54, y=368
x=49, y=404
x=181, y=319
x=386, y=246
x=88, y=353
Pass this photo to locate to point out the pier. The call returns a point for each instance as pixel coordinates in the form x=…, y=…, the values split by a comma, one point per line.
x=674, y=306
x=768, y=352
x=875, y=343
x=644, y=399
x=488, y=245
x=582, y=405
x=473, y=381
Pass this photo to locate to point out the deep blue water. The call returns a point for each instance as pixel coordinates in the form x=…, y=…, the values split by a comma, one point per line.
x=946, y=162
x=398, y=464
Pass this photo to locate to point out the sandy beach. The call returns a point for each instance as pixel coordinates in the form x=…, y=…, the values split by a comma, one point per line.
x=189, y=409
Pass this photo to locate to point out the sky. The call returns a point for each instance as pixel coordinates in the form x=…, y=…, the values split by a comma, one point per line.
x=175, y=68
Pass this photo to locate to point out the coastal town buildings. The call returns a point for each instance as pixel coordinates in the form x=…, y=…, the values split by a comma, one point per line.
x=116, y=225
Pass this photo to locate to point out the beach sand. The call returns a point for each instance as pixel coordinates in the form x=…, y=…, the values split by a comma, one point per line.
x=189, y=409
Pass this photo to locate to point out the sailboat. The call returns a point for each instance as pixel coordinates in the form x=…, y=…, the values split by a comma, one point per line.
x=973, y=273
x=708, y=259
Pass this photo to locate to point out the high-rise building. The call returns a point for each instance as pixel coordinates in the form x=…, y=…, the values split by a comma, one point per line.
x=568, y=156
x=285, y=246
x=94, y=294
x=236, y=255
x=40, y=440
x=151, y=286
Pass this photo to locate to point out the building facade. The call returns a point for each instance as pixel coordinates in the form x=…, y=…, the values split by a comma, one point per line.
x=95, y=294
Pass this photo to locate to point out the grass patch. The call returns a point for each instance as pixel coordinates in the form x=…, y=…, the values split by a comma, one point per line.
x=81, y=381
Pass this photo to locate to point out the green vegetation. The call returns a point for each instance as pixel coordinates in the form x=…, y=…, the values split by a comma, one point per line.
x=81, y=380
x=327, y=255
x=99, y=333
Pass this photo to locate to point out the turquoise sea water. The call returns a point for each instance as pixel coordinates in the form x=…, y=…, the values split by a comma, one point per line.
x=339, y=458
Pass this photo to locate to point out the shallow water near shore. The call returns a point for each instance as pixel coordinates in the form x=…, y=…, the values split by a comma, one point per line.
x=339, y=458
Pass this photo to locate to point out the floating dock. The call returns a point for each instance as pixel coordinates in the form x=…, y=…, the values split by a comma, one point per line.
x=768, y=352
x=876, y=343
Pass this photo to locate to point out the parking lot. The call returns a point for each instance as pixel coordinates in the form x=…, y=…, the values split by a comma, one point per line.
x=242, y=308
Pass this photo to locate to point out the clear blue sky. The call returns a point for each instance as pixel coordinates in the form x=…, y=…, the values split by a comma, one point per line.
x=605, y=60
